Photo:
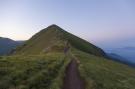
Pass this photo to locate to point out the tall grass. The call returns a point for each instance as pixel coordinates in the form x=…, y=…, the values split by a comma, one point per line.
x=33, y=72
x=101, y=73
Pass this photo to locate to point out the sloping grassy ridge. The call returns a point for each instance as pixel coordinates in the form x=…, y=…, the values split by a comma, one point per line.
x=54, y=35
x=101, y=73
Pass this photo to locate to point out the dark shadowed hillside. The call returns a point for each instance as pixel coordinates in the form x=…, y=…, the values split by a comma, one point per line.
x=128, y=54
x=6, y=45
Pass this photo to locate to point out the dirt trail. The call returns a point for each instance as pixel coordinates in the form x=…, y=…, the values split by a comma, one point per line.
x=72, y=79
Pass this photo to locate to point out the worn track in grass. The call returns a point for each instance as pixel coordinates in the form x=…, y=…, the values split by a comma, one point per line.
x=72, y=79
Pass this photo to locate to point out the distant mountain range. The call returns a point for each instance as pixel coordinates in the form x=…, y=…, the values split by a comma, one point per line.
x=121, y=59
x=6, y=45
x=125, y=54
x=128, y=48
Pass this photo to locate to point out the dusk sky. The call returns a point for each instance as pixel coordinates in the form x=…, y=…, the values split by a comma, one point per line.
x=106, y=23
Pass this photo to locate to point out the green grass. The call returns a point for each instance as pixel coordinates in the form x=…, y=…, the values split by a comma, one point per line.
x=53, y=36
x=82, y=44
x=100, y=73
x=33, y=72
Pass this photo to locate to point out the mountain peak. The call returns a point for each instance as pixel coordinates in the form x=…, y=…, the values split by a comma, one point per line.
x=54, y=26
x=55, y=36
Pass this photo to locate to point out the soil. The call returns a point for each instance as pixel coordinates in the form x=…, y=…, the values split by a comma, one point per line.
x=72, y=79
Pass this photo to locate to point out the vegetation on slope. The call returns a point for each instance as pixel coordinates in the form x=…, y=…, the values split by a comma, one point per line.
x=101, y=73
x=54, y=35
x=33, y=72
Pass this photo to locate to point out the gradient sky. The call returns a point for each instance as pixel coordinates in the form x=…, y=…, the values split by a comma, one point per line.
x=107, y=23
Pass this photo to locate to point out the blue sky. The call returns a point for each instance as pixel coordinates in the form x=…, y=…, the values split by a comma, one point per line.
x=106, y=23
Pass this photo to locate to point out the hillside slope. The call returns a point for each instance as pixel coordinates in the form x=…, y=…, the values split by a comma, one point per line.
x=101, y=73
x=6, y=45
x=55, y=38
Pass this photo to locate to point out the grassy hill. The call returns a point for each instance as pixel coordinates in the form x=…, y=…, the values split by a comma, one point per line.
x=41, y=62
x=55, y=37
x=102, y=73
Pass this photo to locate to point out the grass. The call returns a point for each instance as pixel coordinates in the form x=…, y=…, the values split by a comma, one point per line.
x=47, y=71
x=101, y=73
x=53, y=36
x=33, y=72
x=82, y=45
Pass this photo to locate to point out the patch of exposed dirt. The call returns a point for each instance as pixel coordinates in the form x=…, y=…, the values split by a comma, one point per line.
x=72, y=79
